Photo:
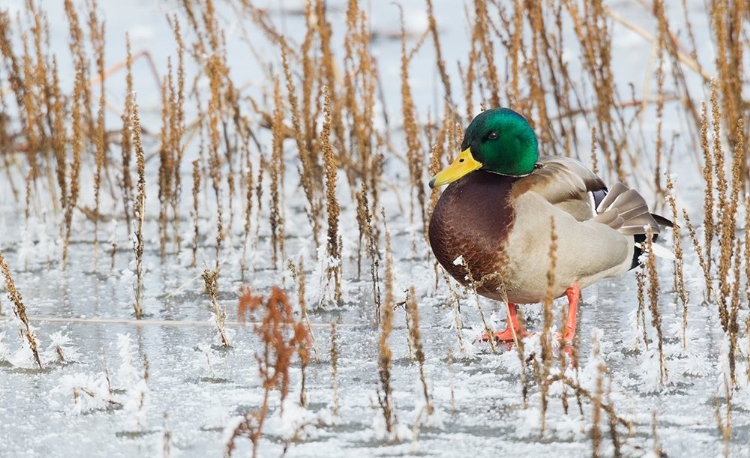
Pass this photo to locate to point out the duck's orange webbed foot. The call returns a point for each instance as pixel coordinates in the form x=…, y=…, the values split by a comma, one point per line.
x=513, y=327
x=505, y=335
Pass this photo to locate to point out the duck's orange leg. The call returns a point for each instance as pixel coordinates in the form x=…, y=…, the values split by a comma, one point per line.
x=512, y=327
x=574, y=295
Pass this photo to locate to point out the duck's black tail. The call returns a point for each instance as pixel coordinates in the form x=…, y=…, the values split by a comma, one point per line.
x=626, y=211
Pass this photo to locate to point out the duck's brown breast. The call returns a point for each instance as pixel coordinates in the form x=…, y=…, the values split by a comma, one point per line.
x=473, y=219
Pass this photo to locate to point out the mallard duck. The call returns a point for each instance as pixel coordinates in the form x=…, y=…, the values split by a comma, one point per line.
x=492, y=224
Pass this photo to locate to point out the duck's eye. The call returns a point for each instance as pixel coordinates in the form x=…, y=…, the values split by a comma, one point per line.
x=492, y=135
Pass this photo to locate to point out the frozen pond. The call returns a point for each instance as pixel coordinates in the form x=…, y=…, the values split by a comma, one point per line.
x=195, y=387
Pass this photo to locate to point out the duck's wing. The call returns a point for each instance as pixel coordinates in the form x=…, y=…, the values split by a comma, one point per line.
x=565, y=183
x=570, y=186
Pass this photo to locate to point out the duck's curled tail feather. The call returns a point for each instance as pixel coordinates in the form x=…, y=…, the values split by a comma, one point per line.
x=626, y=211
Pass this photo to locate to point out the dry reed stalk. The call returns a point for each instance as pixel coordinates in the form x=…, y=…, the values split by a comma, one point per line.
x=112, y=256
x=582, y=393
x=334, y=369
x=540, y=55
x=708, y=193
x=727, y=237
x=44, y=102
x=248, y=213
x=559, y=52
x=726, y=227
x=33, y=139
x=140, y=207
x=474, y=285
x=469, y=80
x=219, y=229
x=308, y=177
x=100, y=144
x=563, y=101
x=388, y=274
x=691, y=35
x=177, y=130
x=359, y=161
x=277, y=177
x=372, y=249
x=385, y=393
x=196, y=202
x=705, y=265
x=281, y=338
x=653, y=295
x=125, y=142
x=59, y=136
x=27, y=208
x=613, y=434
x=332, y=204
x=306, y=136
x=304, y=358
x=668, y=43
x=211, y=279
x=330, y=77
x=81, y=64
x=373, y=186
x=436, y=156
x=408, y=324
x=107, y=377
x=746, y=256
x=456, y=307
x=414, y=155
x=451, y=380
x=215, y=70
x=563, y=364
x=679, y=278
x=412, y=309
x=96, y=32
x=360, y=80
x=259, y=198
x=75, y=168
x=546, y=338
x=362, y=225
x=15, y=76
x=165, y=159
x=301, y=283
x=732, y=322
x=517, y=339
x=19, y=309
x=727, y=19
x=594, y=161
x=738, y=163
x=718, y=158
x=724, y=424
x=654, y=433
x=596, y=433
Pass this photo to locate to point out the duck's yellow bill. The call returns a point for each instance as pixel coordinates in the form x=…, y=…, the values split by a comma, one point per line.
x=464, y=163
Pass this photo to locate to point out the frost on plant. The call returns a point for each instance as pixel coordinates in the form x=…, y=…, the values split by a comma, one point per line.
x=60, y=349
x=136, y=400
x=88, y=392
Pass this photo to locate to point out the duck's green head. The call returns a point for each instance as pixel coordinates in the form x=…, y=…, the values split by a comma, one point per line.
x=497, y=140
